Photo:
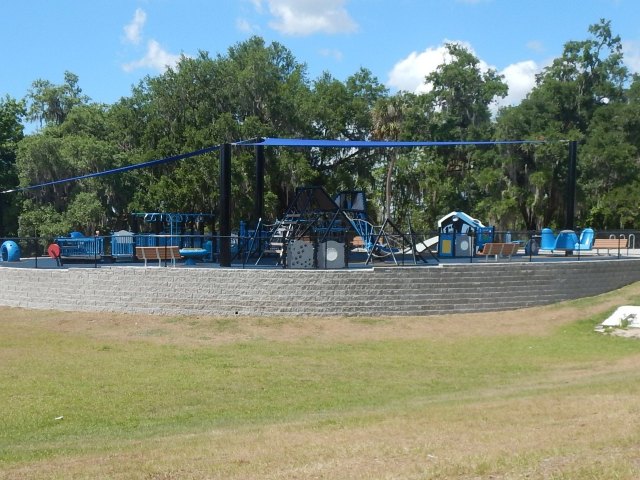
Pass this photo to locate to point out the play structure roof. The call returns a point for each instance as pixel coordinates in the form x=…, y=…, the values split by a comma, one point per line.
x=463, y=217
x=303, y=142
x=282, y=142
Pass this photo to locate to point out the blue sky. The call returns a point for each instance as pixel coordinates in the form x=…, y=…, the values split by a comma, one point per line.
x=112, y=44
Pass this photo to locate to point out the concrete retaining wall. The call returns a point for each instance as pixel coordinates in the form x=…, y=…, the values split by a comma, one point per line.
x=367, y=292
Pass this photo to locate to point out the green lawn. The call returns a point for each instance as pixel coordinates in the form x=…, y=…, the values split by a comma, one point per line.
x=85, y=403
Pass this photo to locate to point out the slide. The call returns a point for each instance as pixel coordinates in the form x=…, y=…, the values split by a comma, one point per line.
x=422, y=246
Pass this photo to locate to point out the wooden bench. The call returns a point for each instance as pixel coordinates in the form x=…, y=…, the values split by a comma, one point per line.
x=158, y=253
x=503, y=249
x=608, y=244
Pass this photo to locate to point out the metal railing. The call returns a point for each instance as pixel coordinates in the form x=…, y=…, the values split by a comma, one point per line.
x=345, y=250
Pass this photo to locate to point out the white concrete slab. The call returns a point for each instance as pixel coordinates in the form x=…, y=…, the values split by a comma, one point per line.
x=629, y=312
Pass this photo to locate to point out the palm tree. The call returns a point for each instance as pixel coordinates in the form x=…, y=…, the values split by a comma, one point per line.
x=388, y=115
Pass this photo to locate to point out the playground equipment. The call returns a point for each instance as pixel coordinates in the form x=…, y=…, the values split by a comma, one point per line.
x=192, y=254
x=10, y=251
x=311, y=219
x=184, y=230
x=566, y=240
x=461, y=235
x=317, y=231
x=77, y=246
x=587, y=237
x=378, y=241
x=171, y=228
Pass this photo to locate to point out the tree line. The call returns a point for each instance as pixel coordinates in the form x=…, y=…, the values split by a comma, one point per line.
x=257, y=89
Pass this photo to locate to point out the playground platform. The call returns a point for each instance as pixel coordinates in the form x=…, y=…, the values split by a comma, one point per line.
x=357, y=263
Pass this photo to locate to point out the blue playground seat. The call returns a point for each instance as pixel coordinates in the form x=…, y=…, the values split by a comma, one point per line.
x=566, y=240
x=547, y=239
x=586, y=240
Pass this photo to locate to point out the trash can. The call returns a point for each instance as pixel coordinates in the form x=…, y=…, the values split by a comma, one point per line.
x=532, y=247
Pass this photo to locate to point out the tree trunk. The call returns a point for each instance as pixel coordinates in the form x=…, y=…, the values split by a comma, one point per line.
x=387, y=203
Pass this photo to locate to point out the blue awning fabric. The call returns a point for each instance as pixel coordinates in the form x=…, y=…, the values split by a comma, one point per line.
x=308, y=143
x=284, y=142
x=126, y=168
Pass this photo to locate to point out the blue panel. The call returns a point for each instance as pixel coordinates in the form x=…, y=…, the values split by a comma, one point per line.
x=295, y=142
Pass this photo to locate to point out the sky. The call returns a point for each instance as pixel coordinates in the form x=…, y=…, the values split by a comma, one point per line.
x=113, y=44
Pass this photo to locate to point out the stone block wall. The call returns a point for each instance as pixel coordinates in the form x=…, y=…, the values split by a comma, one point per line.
x=376, y=291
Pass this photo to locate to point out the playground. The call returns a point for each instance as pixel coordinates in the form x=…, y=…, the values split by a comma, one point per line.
x=324, y=255
x=317, y=230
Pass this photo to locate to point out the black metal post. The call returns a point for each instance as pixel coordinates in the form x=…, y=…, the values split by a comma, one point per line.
x=571, y=190
x=225, y=205
x=571, y=186
x=258, y=202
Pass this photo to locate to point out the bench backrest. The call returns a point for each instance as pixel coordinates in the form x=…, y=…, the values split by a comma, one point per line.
x=610, y=243
x=492, y=249
x=511, y=248
x=500, y=248
x=158, y=253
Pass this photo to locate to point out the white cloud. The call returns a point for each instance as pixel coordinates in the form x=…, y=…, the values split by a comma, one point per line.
x=306, y=17
x=631, y=51
x=156, y=58
x=521, y=78
x=133, y=30
x=409, y=73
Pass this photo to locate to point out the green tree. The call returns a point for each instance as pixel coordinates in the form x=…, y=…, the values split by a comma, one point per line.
x=610, y=162
x=388, y=116
x=343, y=110
x=585, y=78
x=458, y=107
x=461, y=94
x=11, y=132
x=50, y=104
x=80, y=144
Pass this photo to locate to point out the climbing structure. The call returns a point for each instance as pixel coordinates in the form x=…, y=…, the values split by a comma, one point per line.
x=318, y=231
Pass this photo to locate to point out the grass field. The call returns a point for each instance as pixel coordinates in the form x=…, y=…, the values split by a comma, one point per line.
x=531, y=393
